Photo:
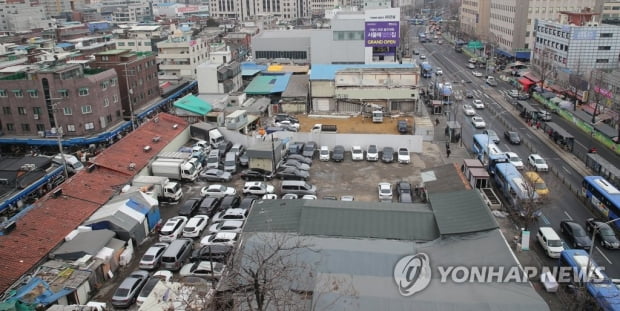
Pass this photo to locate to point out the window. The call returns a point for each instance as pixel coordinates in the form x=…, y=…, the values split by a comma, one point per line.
x=67, y=111
x=106, y=102
x=25, y=127
x=63, y=93
x=113, y=82
x=10, y=127
x=120, y=43
x=89, y=126
x=115, y=98
x=36, y=110
x=87, y=109
x=3, y=93
x=33, y=93
x=607, y=35
x=131, y=44
x=105, y=84
x=18, y=93
x=40, y=127
x=6, y=110
x=21, y=111
x=604, y=48
x=83, y=91
x=70, y=128
x=602, y=61
x=105, y=58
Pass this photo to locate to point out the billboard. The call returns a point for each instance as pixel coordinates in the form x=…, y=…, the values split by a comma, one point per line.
x=381, y=34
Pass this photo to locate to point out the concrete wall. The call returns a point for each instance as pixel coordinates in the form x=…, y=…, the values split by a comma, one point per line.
x=327, y=51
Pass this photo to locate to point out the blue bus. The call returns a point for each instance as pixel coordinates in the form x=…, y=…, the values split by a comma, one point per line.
x=603, y=196
x=488, y=153
x=426, y=70
x=603, y=168
x=514, y=188
x=598, y=284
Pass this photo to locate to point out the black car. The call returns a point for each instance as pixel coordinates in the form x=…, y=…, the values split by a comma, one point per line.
x=229, y=201
x=224, y=147
x=247, y=203
x=189, y=207
x=403, y=189
x=387, y=156
x=219, y=253
x=402, y=126
x=209, y=206
x=576, y=236
x=513, y=137
x=309, y=149
x=300, y=158
x=605, y=235
x=256, y=174
x=338, y=153
x=291, y=173
x=285, y=117
x=244, y=159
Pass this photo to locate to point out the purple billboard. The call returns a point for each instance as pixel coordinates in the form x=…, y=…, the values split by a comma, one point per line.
x=381, y=34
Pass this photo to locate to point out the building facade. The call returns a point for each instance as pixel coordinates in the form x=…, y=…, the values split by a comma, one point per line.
x=137, y=76
x=474, y=19
x=23, y=16
x=83, y=101
x=140, y=38
x=126, y=11
x=245, y=9
x=180, y=56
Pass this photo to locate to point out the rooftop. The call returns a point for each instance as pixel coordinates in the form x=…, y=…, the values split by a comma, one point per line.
x=328, y=72
x=265, y=84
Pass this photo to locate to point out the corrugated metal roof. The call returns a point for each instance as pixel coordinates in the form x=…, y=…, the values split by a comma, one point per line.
x=85, y=243
x=268, y=84
x=275, y=216
x=251, y=69
x=445, y=178
x=462, y=212
x=297, y=87
x=193, y=104
x=328, y=72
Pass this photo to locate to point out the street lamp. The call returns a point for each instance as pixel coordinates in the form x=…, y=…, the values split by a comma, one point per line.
x=596, y=229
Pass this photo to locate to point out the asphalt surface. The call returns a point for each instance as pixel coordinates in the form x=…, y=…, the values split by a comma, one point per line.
x=499, y=115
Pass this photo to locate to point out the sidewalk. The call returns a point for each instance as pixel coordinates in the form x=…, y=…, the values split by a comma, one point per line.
x=458, y=151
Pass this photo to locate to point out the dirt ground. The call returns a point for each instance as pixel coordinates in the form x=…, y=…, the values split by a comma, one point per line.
x=357, y=125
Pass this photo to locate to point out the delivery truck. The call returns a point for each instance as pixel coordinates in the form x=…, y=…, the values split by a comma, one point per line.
x=177, y=169
x=159, y=186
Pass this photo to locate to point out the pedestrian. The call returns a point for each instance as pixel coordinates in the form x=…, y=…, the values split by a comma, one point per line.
x=436, y=121
x=448, y=153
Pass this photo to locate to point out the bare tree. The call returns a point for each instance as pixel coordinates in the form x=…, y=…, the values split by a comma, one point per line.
x=530, y=202
x=543, y=64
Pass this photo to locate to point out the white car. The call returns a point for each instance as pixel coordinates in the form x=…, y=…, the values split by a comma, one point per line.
x=538, y=163
x=218, y=191
x=513, y=93
x=324, y=153
x=403, y=156
x=309, y=197
x=478, y=122
x=195, y=225
x=150, y=259
x=515, y=160
x=357, y=154
x=372, y=153
x=477, y=74
x=258, y=188
x=234, y=226
x=422, y=56
x=472, y=61
x=478, y=104
x=219, y=238
x=203, y=269
x=471, y=66
x=438, y=71
x=270, y=196
x=163, y=275
x=385, y=191
x=172, y=229
x=469, y=110
x=230, y=214
x=287, y=123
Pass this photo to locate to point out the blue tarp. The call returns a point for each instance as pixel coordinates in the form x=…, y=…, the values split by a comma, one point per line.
x=46, y=295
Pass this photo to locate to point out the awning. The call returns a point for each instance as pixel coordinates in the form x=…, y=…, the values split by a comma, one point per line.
x=526, y=82
x=523, y=55
x=558, y=89
x=504, y=53
x=531, y=77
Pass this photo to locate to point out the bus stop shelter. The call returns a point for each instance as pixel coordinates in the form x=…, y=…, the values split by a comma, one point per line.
x=559, y=135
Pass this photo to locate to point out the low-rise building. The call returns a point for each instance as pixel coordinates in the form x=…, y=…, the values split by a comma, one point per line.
x=180, y=55
x=140, y=38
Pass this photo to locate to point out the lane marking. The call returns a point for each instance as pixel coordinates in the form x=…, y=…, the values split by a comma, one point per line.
x=544, y=219
x=566, y=170
x=567, y=215
x=601, y=252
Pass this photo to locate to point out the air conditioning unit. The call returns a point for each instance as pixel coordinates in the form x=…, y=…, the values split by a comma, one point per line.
x=36, y=116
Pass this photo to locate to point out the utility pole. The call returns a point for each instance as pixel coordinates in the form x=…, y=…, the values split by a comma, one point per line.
x=129, y=93
x=59, y=133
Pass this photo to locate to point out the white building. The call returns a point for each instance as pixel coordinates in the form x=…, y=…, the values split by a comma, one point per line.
x=127, y=11
x=139, y=38
x=18, y=17
x=180, y=55
x=244, y=9
x=178, y=9
x=576, y=49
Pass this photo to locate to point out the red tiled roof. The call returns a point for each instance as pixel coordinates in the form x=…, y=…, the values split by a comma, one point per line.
x=47, y=224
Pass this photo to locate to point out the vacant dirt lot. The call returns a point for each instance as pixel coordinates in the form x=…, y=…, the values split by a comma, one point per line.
x=356, y=125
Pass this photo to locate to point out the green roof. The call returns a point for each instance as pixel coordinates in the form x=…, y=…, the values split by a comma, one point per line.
x=268, y=84
x=461, y=212
x=344, y=219
x=193, y=104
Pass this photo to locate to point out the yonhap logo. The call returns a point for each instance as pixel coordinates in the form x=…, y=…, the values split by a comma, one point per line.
x=412, y=274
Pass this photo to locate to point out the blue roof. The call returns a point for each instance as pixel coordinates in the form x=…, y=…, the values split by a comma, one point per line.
x=328, y=72
x=64, y=45
x=251, y=69
x=268, y=84
x=166, y=4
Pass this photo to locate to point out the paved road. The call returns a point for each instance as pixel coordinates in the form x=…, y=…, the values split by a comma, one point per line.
x=499, y=116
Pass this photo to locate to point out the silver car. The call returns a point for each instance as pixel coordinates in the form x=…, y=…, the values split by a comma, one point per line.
x=126, y=293
x=152, y=256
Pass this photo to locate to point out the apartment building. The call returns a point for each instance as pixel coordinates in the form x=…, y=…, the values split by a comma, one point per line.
x=474, y=20
x=610, y=12
x=180, y=55
x=137, y=76
x=245, y=9
x=126, y=11
x=83, y=101
x=23, y=16
x=140, y=38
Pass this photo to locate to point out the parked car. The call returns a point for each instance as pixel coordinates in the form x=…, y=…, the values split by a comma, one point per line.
x=357, y=154
x=476, y=73
x=288, y=125
x=219, y=238
x=512, y=137
x=291, y=173
x=348, y=198
x=172, y=229
x=402, y=127
x=309, y=197
x=189, y=207
x=513, y=93
x=438, y=71
x=270, y=196
x=296, y=164
x=468, y=110
x=152, y=257
x=244, y=159
x=203, y=269
x=290, y=196
x=372, y=153
x=405, y=195
x=127, y=292
x=217, y=191
x=338, y=153
x=422, y=56
x=147, y=289
x=575, y=235
x=230, y=201
x=256, y=174
x=230, y=214
x=403, y=155
x=324, y=153
x=257, y=188
x=604, y=234
x=208, y=206
x=300, y=158
x=214, y=252
x=491, y=81
x=238, y=149
x=387, y=156
x=224, y=147
x=478, y=104
x=492, y=136
x=283, y=116
x=478, y=122
x=538, y=163
x=515, y=160
x=385, y=191
x=234, y=226
x=471, y=66
x=247, y=203
x=195, y=225
x=309, y=149
x=215, y=174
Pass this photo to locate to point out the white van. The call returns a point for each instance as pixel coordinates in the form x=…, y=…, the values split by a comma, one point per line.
x=324, y=153
x=213, y=160
x=550, y=241
x=230, y=162
x=298, y=187
x=73, y=164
